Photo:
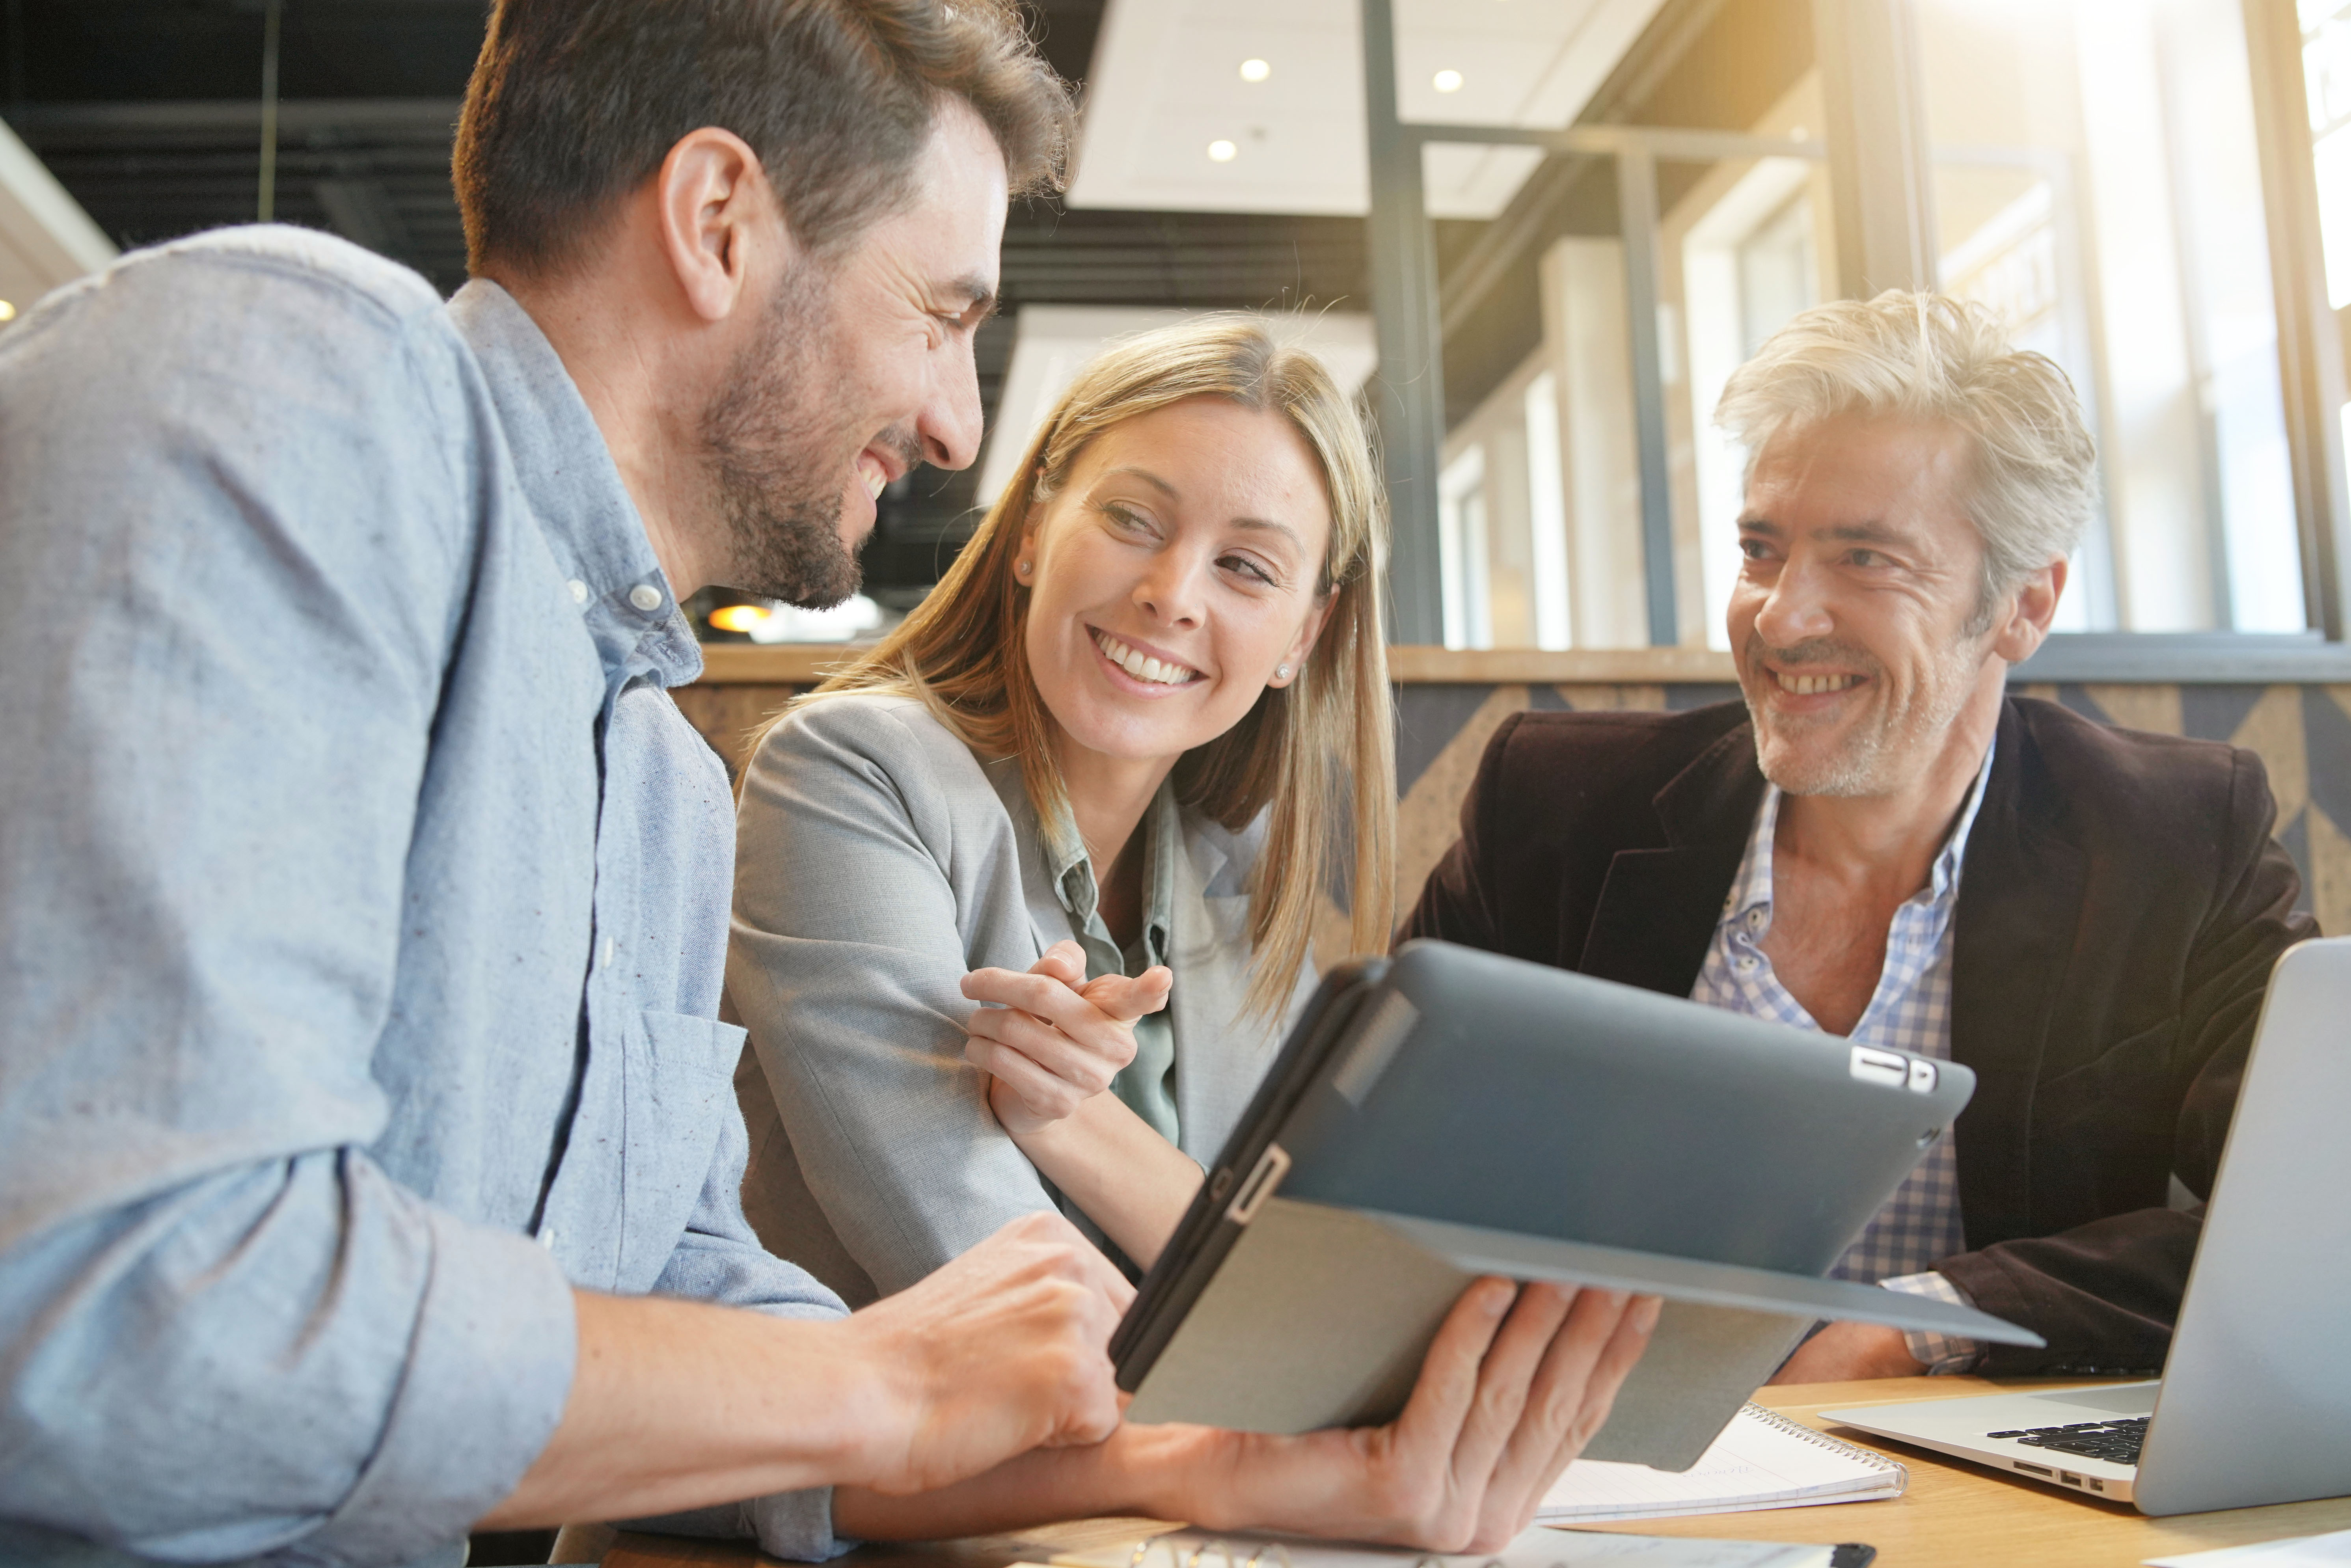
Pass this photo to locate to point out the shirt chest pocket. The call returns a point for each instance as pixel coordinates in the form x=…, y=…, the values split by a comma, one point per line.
x=677, y=1083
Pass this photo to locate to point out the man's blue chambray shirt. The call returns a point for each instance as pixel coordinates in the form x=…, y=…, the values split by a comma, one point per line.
x=362, y=909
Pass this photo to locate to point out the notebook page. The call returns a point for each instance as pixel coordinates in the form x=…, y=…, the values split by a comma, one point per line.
x=1761, y=1461
x=1535, y=1549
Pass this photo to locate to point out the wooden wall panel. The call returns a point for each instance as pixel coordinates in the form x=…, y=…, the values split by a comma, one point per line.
x=2302, y=733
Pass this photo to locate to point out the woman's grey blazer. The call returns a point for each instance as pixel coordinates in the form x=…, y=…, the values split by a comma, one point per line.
x=877, y=861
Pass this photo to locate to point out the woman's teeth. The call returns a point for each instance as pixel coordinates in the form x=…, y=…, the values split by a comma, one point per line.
x=1809, y=685
x=1142, y=666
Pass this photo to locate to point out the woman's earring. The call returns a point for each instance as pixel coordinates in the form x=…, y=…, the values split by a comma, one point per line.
x=1281, y=672
x=1022, y=568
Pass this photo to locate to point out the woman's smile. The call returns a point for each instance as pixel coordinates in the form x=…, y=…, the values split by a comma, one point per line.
x=1142, y=667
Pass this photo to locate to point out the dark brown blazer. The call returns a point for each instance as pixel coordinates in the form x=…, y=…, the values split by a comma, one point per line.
x=2120, y=906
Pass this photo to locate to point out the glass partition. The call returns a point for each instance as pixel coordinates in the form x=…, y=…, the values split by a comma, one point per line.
x=2096, y=183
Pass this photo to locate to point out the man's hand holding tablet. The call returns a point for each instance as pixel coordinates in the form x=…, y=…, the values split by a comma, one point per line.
x=1516, y=1382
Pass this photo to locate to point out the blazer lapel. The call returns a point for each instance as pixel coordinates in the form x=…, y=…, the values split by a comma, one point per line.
x=1659, y=906
x=1218, y=1058
x=2020, y=892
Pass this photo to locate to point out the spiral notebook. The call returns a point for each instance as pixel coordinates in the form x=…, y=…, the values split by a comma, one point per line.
x=1762, y=1459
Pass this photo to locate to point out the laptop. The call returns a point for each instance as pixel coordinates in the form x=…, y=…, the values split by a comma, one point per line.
x=2254, y=1404
x=1450, y=1112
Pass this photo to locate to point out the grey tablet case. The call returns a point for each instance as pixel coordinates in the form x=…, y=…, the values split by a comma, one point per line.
x=1450, y=1114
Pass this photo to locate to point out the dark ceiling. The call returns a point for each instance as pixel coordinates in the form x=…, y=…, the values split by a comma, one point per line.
x=149, y=112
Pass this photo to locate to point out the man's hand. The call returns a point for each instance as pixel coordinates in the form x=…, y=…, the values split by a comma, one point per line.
x=1003, y=1350
x=1516, y=1382
x=1848, y=1353
x=676, y=1405
x=1056, y=1039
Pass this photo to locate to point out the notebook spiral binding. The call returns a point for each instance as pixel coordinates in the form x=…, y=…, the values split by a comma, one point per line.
x=1838, y=1446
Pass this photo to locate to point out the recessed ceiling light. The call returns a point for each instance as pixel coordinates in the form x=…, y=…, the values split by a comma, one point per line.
x=7, y=311
x=1446, y=81
x=1222, y=152
x=1255, y=70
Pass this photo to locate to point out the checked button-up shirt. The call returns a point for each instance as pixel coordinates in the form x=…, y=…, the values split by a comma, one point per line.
x=1910, y=1010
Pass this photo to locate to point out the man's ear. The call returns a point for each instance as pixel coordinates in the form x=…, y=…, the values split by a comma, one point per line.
x=716, y=214
x=2019, y=636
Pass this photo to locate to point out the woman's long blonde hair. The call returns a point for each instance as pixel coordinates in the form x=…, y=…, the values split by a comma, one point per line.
x=1313, y=750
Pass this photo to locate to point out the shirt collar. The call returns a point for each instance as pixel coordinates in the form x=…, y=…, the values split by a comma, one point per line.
x=575, y=491
x=1073, y=874
x=1751, y=890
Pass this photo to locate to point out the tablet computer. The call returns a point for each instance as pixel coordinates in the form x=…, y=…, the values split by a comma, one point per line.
x=1447, y=1112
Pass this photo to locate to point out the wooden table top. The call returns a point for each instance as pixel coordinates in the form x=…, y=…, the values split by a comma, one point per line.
x=1953, y=1515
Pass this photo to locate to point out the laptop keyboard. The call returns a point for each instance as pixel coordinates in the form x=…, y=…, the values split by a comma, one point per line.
x=2117, y=1442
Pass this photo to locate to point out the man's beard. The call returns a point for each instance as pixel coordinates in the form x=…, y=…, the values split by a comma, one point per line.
x=777, y=466
x=1877, y=752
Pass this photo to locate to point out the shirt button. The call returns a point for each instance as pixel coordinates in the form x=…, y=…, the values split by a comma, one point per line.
x=1745, y=965
x=608, y=952
x=1755, y=920
x=578, y=590
x=547, y=1237
x=645, y=597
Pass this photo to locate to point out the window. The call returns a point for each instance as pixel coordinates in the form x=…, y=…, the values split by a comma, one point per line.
x=2097, y=184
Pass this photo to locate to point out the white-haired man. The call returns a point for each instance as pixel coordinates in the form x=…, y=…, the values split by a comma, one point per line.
x=1880, y=842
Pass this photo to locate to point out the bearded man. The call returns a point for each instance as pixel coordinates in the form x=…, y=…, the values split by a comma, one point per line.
x=1881, y=844
x=369, y=1163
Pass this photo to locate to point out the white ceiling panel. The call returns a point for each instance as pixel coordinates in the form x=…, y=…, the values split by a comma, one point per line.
x=1166, y=85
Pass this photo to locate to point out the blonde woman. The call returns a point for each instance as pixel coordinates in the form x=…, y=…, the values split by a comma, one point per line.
x=1070, y=825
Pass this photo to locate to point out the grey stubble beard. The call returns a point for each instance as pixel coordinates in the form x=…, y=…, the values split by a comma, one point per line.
x=1861, y=766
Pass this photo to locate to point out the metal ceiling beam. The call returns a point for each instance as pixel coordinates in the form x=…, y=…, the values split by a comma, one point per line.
x=1408, y=389
x=1637, y=205
x=1881, y=175
x=433, y=117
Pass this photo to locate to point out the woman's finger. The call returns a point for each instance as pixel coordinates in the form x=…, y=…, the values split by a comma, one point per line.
x=1088, y=1065
x=1041, y=996
x=1087, y=1071
x=1045, y=1095
x=1064, y=961
x=1033, y=991
x=1123, y=1000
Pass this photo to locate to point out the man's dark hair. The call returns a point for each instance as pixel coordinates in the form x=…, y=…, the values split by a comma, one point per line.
x=574, y=103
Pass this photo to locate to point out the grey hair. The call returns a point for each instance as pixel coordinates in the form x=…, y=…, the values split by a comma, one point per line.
x=1928, y=357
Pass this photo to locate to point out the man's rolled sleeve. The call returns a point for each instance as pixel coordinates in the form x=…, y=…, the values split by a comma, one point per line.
x=301, y=1354
x=487, y=1375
